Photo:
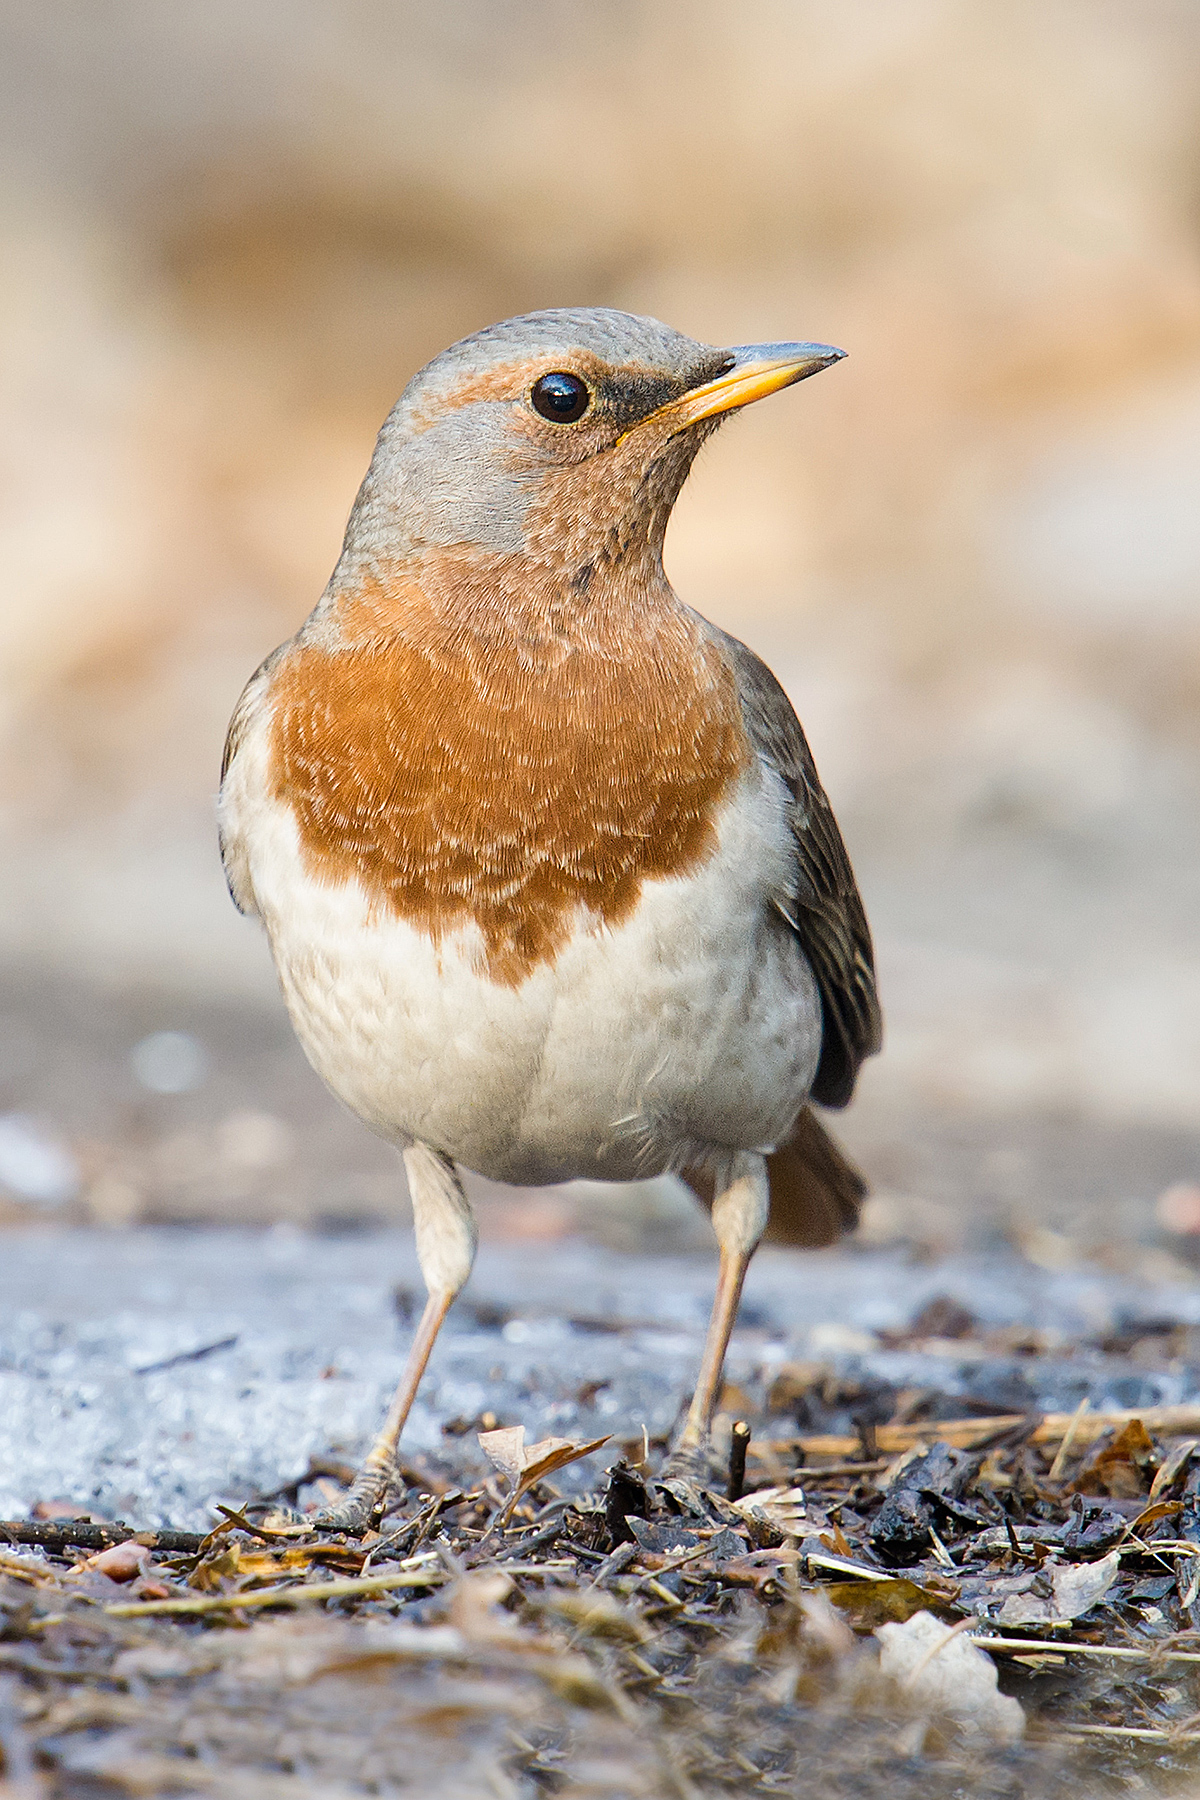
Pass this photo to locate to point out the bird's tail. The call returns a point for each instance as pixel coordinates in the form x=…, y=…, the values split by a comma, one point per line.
x=816, y=1191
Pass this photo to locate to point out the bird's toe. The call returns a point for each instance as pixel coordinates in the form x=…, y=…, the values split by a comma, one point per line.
x=695, y=1463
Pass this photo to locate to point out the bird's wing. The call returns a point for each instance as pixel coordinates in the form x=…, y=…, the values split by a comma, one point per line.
x=823, y=907
x=234, y=853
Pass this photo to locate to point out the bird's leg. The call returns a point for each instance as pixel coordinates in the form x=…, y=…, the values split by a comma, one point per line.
x=739, y=1216
x=446, y=1241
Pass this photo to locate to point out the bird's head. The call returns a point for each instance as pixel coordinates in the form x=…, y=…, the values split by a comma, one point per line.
x=562, y=436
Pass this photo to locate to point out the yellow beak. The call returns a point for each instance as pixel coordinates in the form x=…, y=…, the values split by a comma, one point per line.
x=755, y=370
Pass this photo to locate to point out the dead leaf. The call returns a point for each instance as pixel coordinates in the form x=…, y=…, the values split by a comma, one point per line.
x=1173, y=1465
x=664, y=1541
x=759, y=1568
x=1124, y=1469
x=944, y=1674
x=525, y=1465
x=781, y=1507
x=555, y=1453
x=221, y=1566
x=1158, y=1509
x=505, y=1449
x=871, y=1604
x=1075, y=1589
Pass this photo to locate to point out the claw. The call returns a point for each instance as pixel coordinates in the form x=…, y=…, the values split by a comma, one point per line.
x=361, y=1509
x=696, y=1463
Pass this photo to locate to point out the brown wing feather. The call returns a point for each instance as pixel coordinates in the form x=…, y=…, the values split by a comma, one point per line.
x=823, y=907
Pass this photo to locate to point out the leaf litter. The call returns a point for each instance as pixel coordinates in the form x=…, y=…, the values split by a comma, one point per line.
x=1000, y=1605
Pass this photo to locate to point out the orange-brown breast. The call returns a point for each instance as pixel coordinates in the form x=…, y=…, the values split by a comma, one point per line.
x=472, y=748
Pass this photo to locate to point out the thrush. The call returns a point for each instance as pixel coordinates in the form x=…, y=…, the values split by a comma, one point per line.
x=550, y=880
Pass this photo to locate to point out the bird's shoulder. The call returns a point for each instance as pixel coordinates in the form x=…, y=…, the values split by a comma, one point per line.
x=824, y=906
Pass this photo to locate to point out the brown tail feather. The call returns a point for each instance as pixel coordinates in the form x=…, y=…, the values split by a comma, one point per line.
x=815, y=1191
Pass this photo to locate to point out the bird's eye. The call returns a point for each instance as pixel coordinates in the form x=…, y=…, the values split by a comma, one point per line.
x=560, y=397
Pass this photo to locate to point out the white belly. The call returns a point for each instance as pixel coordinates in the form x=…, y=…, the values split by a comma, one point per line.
x=694, y=1024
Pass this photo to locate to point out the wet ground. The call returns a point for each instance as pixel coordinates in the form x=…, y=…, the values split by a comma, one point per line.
x=144, y=1374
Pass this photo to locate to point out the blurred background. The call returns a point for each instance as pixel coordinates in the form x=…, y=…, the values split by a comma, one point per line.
x=230, y=233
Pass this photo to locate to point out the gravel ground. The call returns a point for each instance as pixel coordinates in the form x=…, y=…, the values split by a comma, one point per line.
x=304, y=1335
x=619, y=1636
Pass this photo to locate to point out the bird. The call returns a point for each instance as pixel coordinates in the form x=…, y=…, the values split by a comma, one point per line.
x=551, y=884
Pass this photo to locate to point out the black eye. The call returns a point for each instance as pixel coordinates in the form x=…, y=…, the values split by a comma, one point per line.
x=560, y=397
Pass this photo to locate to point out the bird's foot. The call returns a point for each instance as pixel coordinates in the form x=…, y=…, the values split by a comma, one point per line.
x=361, y=1509
x=695, y=1463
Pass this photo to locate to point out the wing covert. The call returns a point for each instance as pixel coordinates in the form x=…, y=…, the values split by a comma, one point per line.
x=826, y=909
